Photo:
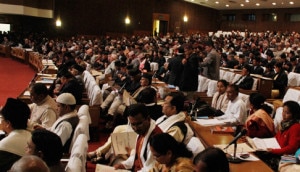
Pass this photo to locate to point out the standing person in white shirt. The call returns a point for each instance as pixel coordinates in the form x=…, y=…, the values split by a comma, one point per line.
x=236, y=112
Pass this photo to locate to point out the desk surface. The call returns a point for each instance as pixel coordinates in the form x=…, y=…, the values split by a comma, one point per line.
x=209, y=139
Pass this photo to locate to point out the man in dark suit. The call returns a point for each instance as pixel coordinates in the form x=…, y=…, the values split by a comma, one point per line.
x=295, y=65
x=245, y=81
x=256, y=68
x=175, y=67
x=242, y=62
x=189, y=76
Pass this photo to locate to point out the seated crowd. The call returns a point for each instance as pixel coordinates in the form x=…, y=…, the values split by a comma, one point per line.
x=130, y=99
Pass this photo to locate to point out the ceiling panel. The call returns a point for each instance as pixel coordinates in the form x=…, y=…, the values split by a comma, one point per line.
x=246, y=4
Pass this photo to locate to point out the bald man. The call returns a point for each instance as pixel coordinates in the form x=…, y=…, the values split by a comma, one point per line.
x=30, y=163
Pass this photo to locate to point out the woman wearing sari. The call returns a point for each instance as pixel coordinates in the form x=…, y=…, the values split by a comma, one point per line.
x=259, y=123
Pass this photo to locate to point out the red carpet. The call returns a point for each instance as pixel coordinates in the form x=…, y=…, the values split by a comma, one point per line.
x=14, y=78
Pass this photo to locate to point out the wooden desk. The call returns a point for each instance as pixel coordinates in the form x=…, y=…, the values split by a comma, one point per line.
x=209, y=139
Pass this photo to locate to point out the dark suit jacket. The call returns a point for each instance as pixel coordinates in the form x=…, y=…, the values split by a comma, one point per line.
x=246, y=83
x=175, y=67
x=189, y=77
x=258, y=70
x=74, y=88
x=280, y=82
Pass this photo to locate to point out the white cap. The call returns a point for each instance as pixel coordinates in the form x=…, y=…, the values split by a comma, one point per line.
x=66, y=98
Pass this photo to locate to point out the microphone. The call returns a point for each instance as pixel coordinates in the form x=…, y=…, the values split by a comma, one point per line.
x=194, y=118
x=242, y=133
x=194, y=105
x=46, y=67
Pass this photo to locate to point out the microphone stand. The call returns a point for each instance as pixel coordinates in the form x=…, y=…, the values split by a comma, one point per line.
x=234, y=159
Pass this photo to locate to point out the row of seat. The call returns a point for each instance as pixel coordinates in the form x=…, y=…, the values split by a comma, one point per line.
x=79, y=143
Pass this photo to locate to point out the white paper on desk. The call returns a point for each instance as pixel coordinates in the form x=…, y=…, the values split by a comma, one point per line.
x=210, y=122
x=48, y=78
x=43, y=74
x=47, y=61
x=26, y=93
x=45, y=81
x=241, y=148
x=106, y=168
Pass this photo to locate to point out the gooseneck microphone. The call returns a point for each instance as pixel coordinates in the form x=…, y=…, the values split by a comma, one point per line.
x=242, y=133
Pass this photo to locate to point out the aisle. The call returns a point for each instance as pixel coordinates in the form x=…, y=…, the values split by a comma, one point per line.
x=14, y=78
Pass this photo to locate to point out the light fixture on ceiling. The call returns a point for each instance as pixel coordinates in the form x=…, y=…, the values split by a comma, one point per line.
x=185, y=18
x=274, y=3
x=227, y=5
x=257, y=4
x=58, y=22
x=127, y=20
x=247, y=1
x=217, y=2
x=242, y=5
x=291, y=3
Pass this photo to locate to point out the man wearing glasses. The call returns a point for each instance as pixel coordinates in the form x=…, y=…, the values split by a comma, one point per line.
x=141, y=158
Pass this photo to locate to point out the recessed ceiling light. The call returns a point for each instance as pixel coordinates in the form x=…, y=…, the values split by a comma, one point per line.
x=274, y=3
x=227, y=5
x=242, y=5
x=247, y=1
x=257, y=4
x=217, y=2
x=292, y=3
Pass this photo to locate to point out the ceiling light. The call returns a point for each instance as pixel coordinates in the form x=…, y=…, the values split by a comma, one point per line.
x=257, y=4
x=292, y=3
x=227, y=5
x=247, y=1
x=217, y=2
x=274, y=3
x=242, y=5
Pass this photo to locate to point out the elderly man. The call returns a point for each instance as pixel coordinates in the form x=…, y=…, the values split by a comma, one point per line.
x=245, y=81
x=30, y=163
x=236, y=112
x=173, y=120
x=108, y=70
x=212, y=61
x=43, y=107
x=68, y=119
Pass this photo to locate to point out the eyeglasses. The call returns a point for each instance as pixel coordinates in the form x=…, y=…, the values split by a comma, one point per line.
x=138, y=124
